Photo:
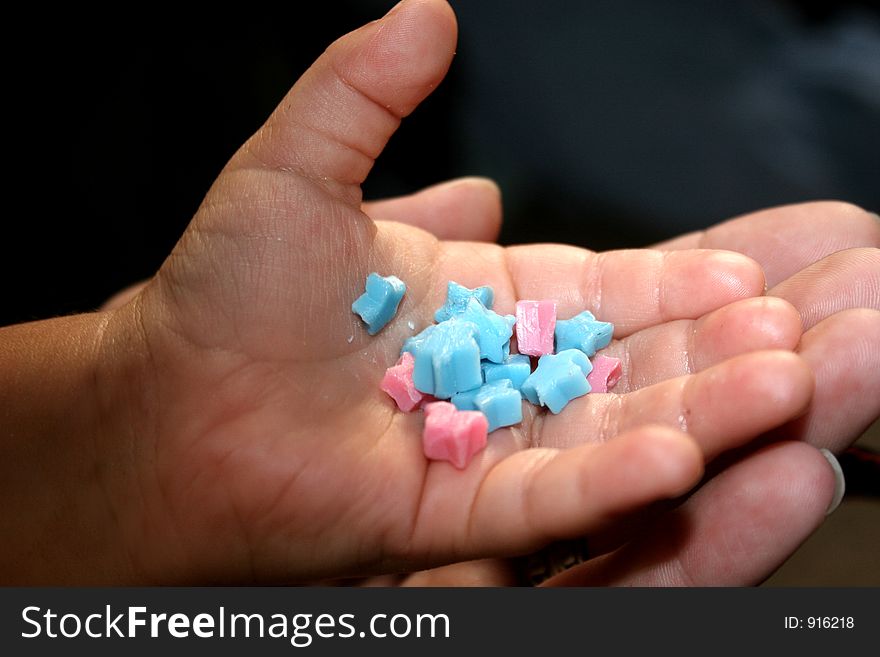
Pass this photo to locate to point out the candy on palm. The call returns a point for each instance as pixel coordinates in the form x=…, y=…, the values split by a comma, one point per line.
x=378, y=304
x=465, y=358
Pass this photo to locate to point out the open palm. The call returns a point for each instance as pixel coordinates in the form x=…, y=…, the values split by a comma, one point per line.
x=265, y=449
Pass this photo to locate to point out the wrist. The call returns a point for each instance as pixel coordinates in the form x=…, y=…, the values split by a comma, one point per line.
x=55, y=524
x=72, y=401
x=125, y=395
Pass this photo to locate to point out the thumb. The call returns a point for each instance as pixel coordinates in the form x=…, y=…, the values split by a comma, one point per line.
x=338, y=117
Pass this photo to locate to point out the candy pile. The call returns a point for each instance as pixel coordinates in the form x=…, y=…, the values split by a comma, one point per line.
x=465, y=360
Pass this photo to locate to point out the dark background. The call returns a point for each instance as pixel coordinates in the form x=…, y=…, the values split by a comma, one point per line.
x=607, y=124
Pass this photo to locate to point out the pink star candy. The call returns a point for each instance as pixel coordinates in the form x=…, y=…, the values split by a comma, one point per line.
x=398, y=383
x=605, y=373
x=453, y=435
x=535, y=326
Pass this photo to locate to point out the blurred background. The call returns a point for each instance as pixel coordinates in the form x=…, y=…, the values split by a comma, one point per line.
x=606, y=123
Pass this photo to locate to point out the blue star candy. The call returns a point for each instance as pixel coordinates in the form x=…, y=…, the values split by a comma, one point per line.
x=464, y=401
x=447, y=358
x=457, y=297
x=379, y=303
x=495, y=330
x=558, y=379
x=583, y=332
x=515, y=368
x=500, y=402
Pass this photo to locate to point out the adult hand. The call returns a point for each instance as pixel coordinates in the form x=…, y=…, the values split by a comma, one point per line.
x=742, y=525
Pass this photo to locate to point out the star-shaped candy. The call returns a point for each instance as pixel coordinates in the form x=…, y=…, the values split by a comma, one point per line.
x=398, y=383
x=535, y=322
x=605, y=375
x=495, y=330
x=516, y=368
x=500, y=402
x=457, y=297
x=447, y=358
x=464, y=401
x=558, y=379
x=453, y=435
x=583, y=332
x=378, y=304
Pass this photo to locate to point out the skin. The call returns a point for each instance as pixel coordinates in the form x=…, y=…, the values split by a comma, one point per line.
x=830, y=263
x=224, y=422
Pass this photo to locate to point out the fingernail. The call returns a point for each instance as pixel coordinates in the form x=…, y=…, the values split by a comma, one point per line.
x=472, y=181
x=876, y=216
x=839, y=482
